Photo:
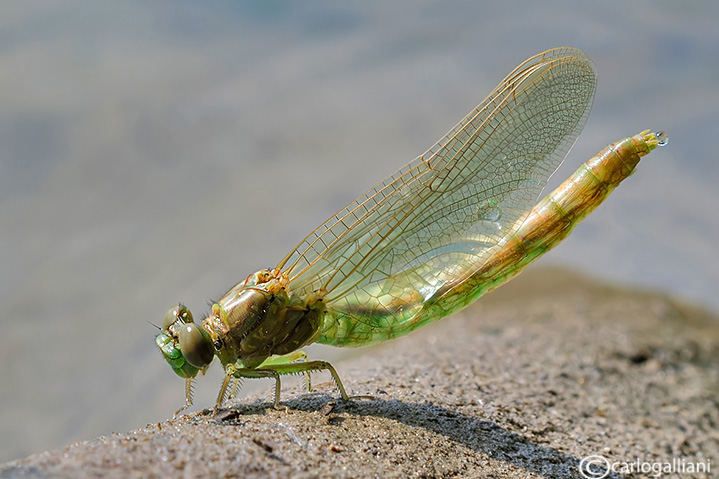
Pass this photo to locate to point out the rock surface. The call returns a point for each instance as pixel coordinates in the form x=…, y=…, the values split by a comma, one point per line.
x=525, y=383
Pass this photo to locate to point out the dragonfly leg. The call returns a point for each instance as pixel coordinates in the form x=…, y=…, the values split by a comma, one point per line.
x=234, y=375
x=229, y=375
x=234, y=387
x=188, y=397
x=275, y=367
x=293, y=357
x=308, y=366
x=275, y=371
x=308, y=381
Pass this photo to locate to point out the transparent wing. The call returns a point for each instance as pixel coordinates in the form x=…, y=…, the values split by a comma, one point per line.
x=380, y=258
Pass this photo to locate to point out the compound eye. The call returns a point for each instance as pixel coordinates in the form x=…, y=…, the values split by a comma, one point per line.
x=195, y=346
x=176, y=312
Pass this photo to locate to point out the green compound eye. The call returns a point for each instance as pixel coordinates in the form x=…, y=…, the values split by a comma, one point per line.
x=176, y=312
x=195, y=345
x=173, y=356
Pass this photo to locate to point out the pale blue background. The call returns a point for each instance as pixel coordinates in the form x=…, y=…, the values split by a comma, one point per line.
x=156, y=152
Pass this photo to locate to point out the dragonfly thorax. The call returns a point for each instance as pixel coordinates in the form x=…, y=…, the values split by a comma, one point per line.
x=257, y=319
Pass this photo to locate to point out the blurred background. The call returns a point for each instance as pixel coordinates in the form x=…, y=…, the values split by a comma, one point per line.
x=157, y=152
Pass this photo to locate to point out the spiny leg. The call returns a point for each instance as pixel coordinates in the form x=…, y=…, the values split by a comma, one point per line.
x=234, y=387
x=188, y=397
x=231, y=376
x=293, y=357
x=233, y=373
x=223, y=388
x=275, y=371
x=306, y=367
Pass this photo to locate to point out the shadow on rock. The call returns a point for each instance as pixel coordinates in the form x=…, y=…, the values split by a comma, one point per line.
x=482, y=436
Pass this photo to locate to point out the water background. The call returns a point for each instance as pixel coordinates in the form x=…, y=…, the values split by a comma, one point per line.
x=159, y=152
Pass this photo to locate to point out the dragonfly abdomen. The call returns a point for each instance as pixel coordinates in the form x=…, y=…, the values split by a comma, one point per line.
x=550, y=221
x=556, y=215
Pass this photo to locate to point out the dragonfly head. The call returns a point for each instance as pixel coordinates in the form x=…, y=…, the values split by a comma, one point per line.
x=187, y=348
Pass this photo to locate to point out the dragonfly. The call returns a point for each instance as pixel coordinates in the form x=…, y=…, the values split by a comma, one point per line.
x=452, y=225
